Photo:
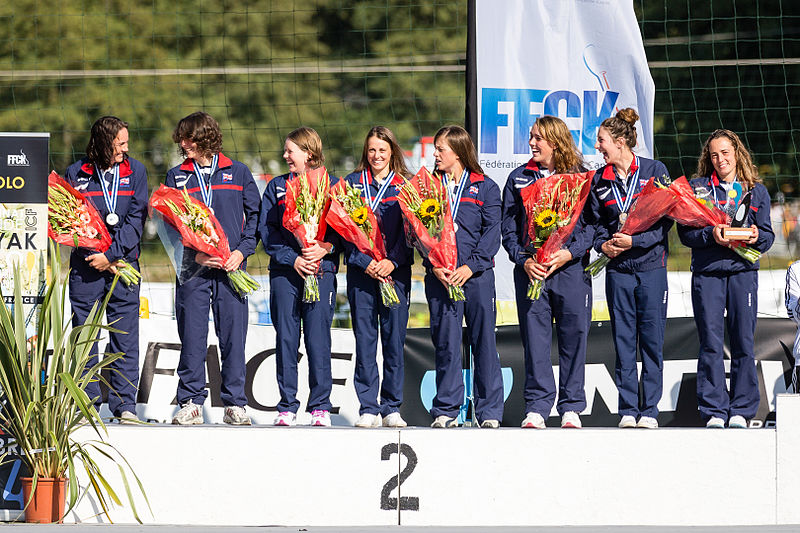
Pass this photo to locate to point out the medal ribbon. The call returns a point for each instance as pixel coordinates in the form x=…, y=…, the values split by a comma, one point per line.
x=374, y=202
x=110, y=198
x=728, y=197
x=455, y=198
x=206, y=191
x=630, y=191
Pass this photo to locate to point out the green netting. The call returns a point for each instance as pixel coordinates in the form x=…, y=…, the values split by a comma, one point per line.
x=264, y=67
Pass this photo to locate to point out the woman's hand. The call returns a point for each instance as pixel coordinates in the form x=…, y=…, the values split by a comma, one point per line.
x=305, y=267
x=316, y=250
x=99, y=262
x=754, y=237
x=559, y=259
x=717, y=233
x=233, y=261
x=208, y=261
x=534, y=270
x=622, y=240
x=460, y=276
x=442, y=273
x=610, y=249
x=380, y=269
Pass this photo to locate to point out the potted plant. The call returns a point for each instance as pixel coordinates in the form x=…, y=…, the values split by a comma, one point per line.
x=42, y=391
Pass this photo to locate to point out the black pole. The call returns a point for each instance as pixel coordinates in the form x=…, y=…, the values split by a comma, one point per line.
x=471, y=114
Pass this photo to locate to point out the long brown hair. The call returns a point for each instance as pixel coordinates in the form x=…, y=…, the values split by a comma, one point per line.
x=566, y=157
x=100, y=149
x=397, y=162
x=745, y=169
x=622, y=125
x=200, y=128
x=309, y=141
x=461, y=143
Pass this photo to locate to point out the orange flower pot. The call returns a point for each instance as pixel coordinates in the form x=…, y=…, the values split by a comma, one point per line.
x=47, y=505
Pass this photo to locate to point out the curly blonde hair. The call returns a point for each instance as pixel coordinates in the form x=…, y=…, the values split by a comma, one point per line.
x=746, y=171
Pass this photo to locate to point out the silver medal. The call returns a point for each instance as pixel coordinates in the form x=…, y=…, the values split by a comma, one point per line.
x=455, y=226
x=112, y=219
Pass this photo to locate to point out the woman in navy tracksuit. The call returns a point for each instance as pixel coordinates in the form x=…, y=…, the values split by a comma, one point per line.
x=725, y=284
x=117, y=186
x=228, y=188
x=378, y=177
x=636, y=276
x=475, y=202
x=567, y=295
x=289, y=265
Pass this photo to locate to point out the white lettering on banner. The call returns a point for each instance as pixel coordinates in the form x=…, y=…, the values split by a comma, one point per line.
x=18, y=160
x=537, y=57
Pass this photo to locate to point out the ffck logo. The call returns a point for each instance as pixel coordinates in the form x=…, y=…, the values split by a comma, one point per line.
x=18, y=160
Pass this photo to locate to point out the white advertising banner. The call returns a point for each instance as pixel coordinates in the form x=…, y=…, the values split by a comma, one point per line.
x=579, y=60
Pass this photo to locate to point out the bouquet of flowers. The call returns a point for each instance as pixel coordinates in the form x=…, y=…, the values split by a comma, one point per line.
x=353, y=219
x=307, y=203
x=73, y=220
x=654, y=202
x=199, y=230
x=698, y=212
x=552, y=206
x=429, y=223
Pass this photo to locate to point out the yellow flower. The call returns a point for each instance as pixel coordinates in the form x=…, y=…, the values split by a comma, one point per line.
x=360, y=215
x=429, y=208
x=546, y=218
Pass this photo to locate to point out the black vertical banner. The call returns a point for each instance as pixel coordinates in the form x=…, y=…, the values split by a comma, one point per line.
x=472, y=75
x=24, y=162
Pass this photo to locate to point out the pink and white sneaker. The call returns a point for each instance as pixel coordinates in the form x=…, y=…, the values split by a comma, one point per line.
x=321, y=418
x=285, y=418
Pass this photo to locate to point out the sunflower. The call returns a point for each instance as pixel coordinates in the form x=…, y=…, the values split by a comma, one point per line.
x=429, y=208
x=546, y=218
x=360, y=215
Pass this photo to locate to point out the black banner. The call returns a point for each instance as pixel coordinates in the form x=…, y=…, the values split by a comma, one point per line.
x=24, y=167
x=774, y=338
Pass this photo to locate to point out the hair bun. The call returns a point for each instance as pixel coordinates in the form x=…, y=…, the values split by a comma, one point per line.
x=629, y=115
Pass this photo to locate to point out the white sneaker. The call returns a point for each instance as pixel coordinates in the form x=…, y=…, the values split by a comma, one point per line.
x=490, y=424
x=394, y=420
x=444, y=421
x=320, y=418
x=627, y=421
x=647, y=422
x=236, y=416
x=737, y=422
x=715, y=422
x=534, y=420
x=128, y=418
x=368, y=421
x=285, y=418
x=189, y=415
x=571, y=419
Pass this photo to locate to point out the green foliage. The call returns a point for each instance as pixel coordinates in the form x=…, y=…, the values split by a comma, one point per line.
x=44, y=398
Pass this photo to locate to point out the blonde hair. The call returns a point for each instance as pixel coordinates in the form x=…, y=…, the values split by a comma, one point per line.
x=622, y=126
x=308, y=140
x=745, y=169
x=566, y=157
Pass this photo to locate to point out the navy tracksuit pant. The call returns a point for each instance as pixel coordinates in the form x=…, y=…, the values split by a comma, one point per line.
x=210, y=289
x=87, y=286
x=566, y=297
x=288, y=313
x=712, y=295
x=369, y=315
x=637, y=302
x=446, y=317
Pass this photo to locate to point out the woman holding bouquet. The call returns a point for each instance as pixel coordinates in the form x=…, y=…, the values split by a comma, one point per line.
x=636, y=275
x=117, y=186
x=289, y=265
x=228, y=188
x=378, y=176
x=566, y=297
x=725, y=284
x=475, y=206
